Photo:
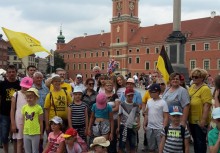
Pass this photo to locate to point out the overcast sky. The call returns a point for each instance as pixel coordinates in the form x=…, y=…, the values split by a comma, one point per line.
x=42, y=18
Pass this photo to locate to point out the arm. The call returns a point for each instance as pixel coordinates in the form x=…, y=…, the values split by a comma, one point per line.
x=41, y=125
x=206, y=109
x=116, y=108
x=46, y=147
x=90, y=123
x=165, y=118
x=119, y=122
x=12, y=115
x=111, y=120
x=216, y=95
x=61, y=147
x=186, y=142
x=162, y=143
x=46, y=111
x=69, y=116
x=185, y=115
x=87, y=120
x=145, y=120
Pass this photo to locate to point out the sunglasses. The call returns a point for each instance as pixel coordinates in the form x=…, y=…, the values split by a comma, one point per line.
x=195, y=77
x=91, y=84
x=162, y=84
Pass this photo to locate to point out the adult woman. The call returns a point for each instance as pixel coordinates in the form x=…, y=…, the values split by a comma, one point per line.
x=113, y=101
x=120, y=85
x=162, y=84
x=89, y=95
x=200, y=103
x=101, y=84
x=175, y=95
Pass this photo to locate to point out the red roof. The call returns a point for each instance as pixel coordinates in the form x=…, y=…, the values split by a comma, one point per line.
x=196, y=28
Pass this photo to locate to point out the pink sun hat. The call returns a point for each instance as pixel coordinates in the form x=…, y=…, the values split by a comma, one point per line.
x=26, y=82
x=101, y=101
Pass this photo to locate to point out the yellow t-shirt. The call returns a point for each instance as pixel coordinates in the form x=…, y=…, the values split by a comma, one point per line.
x=198, y=99
x=61, y=101
x=65, y=86
x=146, y=97
x=31, y=119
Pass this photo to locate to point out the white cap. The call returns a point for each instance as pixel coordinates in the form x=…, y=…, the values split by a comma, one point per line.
x=77, y=89
x=57, y=120
x=130, y=80
x=79, y=76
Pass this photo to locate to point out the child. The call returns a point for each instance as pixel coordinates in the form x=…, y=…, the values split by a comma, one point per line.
x=175, y=138
x=214, y=135
x=18, y=100
x=78, y=114
x=101, y=120
x=33, y=122
x=99, y=145
x=156, y=117
x=128, y=122
x=74, y=143
x=55, y=140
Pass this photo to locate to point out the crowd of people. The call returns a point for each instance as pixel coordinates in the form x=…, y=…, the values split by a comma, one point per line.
x=103, y=113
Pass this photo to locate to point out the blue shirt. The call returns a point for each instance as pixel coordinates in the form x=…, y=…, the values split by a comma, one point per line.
x=43, y=91
x=101, y=113
x=136, y=99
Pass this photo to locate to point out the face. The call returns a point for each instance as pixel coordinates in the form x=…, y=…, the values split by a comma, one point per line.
x=154, y=77
x=31, y=98
x=31, y=71
x=11, y=74
x=175, y=119
x=56, y=83
x=100, y=149
x=129, y=98
x=62, y=74
x=77, y=96
x=102, y=80
x=175, y=81
x=154, y=94
x=78, y=80
x=96, y=71
x=24, y=89
x=90, y=85
x=109, y=87
x=70, y=140
x=55, y=127
x=196, y=79
x=130, y=85
x=162, y=86
x=38, y=79
x=119, y=81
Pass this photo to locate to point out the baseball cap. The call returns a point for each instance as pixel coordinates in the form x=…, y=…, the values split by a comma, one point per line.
x=57, y=120
x=154, y=87
x=77, y=89
x=26, y=82
x=34, y=90
x=216, y=113
x=70, y=132
x=129, y=91
x=175, y=110
x=101, y=141
x=130, y=80
x=79, y=76
x=101, y=101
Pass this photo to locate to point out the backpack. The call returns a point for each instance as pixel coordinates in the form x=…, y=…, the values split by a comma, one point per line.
x=166, y=129
x=82, y=143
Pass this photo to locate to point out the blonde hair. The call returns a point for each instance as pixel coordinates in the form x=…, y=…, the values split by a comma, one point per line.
x=199, y=72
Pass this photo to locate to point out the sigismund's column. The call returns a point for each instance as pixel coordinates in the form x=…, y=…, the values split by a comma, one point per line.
x=176, y=42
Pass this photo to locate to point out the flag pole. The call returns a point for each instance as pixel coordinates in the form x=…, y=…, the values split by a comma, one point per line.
x=23, y=65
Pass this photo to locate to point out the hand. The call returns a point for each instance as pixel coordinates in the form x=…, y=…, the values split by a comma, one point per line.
x=138, y=126
x=110, y=136
x=89, y=132
x=13, y=128
x=71, y=80
x=216, y=94
x=202, y=124
x=85, y=132
x=47, y=129
x=183, y=123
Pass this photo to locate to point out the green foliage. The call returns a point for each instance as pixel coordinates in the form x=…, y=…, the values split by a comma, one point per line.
x=58, y=63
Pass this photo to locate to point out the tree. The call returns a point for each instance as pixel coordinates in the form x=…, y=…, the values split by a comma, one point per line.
x=58, y=63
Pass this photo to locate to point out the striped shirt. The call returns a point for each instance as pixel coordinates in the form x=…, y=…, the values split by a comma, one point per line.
x=78, y=114
x=174, y=141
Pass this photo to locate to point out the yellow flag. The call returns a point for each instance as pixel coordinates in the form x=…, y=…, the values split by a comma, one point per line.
x=23, y=44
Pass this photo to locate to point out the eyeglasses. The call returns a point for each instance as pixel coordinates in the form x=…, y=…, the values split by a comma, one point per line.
x=162, y=84
x=91, y=84
x=195, y=77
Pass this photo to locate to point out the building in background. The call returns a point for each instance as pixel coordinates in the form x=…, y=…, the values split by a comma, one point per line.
x=3, y=52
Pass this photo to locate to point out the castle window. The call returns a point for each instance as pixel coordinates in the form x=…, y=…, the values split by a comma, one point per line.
x=218, y=62
x=103, y=66
x=85, y=54
x=103, y=54
x=118, y=40
x=156, y=50
x=97, y=54
x=192, y=64
x=206, y=64
x=79, y=66
x=206, y=46
x=137, y=50
x=129, y=60
x=79, y=55
x=74, y=66
x=147, y=65
x=85, y=66
x=193, y=47
x=137, y=60
x=117, y=52
x=91, y=66
x=147, y=50
x=91, y=54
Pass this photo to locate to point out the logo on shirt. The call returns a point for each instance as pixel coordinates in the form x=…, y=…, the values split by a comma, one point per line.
x=29, y=117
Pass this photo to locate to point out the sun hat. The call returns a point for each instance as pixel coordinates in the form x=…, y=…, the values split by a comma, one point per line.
x=34, y=90
x=216, y=113
x=129, y=91
x=70, y=132
x=130, y=80
x=57, y=120
x=78, y=76
x=154, y=87
x=175, y=110
x=100, y=141
x=101, y=100
x=26, y=82
x=77, y=89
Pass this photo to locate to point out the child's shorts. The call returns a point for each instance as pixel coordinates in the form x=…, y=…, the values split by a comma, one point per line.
x=131, y=138
x=101, y=128
x=153, y=138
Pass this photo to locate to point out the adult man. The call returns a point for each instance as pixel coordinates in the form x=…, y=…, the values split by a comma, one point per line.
x=30, y=70
x=78, y=82
x=7, y=89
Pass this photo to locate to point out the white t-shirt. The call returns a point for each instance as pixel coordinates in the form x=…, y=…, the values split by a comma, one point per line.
x=155, y=113
x=121, y=91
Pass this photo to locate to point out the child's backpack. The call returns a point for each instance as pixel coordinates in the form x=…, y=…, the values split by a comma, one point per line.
x=82, y=144
x=182, y=135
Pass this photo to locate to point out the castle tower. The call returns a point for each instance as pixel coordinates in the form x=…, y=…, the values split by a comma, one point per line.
x=60, y=40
